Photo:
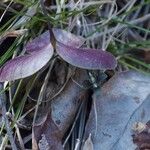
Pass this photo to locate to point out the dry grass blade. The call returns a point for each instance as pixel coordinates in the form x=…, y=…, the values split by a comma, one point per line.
x=7, y=123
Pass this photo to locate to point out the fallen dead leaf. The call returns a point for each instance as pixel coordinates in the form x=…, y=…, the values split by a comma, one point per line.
x=117, y=110
x=64, y=106
x=46, y=135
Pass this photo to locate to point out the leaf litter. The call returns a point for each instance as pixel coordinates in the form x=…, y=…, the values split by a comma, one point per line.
x=119, y=109
x=120, y=103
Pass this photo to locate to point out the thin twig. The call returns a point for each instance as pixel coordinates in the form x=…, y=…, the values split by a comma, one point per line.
x=7, y=124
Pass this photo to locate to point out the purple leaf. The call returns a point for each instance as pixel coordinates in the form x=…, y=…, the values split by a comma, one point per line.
x=68, y=38
x=86, y=58
x=40, y=52
x=24, y=66
x=60, y=35
x=38, y=43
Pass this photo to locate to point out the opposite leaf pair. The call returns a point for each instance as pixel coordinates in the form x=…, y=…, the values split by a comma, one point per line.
x=40, y=51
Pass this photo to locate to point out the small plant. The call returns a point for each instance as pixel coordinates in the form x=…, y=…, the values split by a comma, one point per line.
x=40, y=51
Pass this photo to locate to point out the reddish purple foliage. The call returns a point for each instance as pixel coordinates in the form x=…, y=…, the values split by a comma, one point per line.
x=86, y=58
x=40, y=52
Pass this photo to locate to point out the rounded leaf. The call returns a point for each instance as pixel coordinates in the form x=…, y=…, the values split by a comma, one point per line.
x=39, y=52
x=68, y=38
x=60, y=35
x=24, y=66
x=86, y=58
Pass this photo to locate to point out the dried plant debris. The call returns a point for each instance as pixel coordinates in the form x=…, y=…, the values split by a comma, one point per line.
x=142, y=137
x=65, y=106
x=121, y=102
x=46, y=135
x=63, y=110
